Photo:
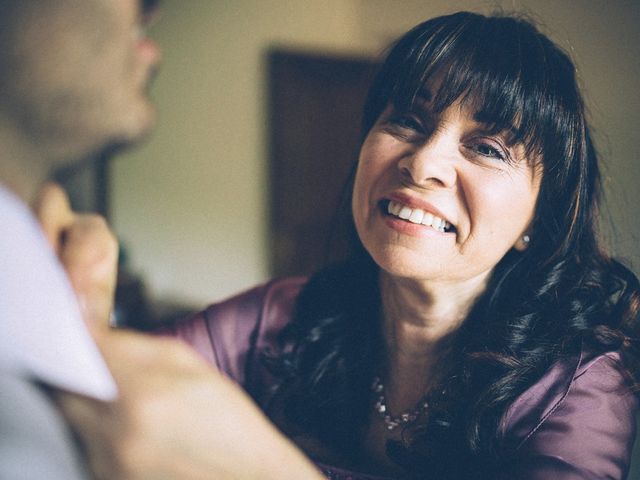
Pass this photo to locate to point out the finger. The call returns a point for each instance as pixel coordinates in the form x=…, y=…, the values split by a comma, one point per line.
x=89, y=254
x=54, y=212
x=90, y=251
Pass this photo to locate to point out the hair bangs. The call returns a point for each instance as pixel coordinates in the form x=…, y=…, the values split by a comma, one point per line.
x=504, y=71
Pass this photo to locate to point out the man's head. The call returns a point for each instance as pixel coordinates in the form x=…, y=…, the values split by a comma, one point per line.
x=74, y=76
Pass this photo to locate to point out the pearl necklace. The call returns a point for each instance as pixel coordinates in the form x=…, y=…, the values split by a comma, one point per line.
x=392, y=422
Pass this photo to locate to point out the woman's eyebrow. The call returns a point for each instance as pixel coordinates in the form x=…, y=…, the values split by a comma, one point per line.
x=421, y=98
x=420, y=103
x=489, y=126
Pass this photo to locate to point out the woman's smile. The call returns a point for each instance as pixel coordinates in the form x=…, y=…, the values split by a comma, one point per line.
x=416, y=216
x=414, y=221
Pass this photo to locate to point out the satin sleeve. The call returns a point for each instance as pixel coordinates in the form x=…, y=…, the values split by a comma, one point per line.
x=578, y=422
x=233, y=333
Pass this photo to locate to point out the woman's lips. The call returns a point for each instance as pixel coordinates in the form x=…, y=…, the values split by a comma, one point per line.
x=418, y=216
x=413, y=221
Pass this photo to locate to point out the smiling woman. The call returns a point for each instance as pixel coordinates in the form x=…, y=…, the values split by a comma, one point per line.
x=478, y=329
x=444, y=167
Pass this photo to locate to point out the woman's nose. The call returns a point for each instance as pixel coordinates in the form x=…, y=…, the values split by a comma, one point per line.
x=432, y=163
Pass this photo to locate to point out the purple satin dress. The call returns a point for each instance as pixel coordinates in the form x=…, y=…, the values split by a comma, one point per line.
x=577, y=422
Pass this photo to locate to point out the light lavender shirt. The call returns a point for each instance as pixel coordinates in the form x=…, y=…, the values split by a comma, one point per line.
x=43, y=340
x=42, y=334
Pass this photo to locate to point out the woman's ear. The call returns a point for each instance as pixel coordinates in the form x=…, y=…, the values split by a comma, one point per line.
x=523, y=241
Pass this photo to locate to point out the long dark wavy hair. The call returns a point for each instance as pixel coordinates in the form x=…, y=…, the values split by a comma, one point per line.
x=561, y=295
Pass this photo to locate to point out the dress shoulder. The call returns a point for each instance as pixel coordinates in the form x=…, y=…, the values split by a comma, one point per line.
x=229, y=333
x=577, y=422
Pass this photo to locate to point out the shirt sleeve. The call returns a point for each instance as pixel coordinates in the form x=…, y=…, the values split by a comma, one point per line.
x=585, y=431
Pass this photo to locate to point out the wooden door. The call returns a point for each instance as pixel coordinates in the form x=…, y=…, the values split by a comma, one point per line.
x=315, y=105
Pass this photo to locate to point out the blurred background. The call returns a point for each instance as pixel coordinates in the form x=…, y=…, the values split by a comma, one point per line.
x=258, y=105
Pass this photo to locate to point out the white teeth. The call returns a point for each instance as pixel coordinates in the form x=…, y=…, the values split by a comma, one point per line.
x=405, y=213
x=427, y=219
x=394, y=208
x=418, y=216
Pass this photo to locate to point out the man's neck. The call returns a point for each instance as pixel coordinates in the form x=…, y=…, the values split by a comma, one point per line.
x=23, y=168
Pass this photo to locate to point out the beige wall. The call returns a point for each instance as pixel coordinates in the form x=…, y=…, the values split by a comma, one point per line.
x=190, y=206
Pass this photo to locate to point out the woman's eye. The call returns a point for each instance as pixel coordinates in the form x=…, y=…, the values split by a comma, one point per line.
x=407, y=121
x=489, y=151
x=406, y=127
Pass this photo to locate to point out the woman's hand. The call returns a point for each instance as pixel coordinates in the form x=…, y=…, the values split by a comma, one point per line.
x=177, y=418
x=87, y=249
